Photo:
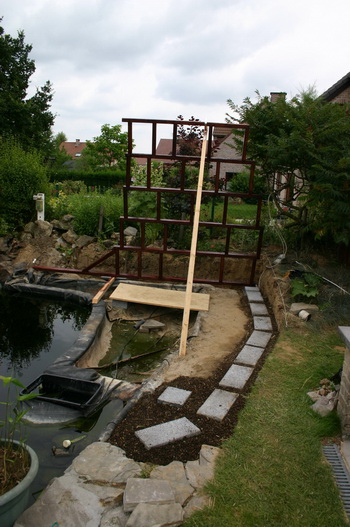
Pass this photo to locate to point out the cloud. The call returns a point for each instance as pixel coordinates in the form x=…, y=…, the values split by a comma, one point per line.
x=109, y=59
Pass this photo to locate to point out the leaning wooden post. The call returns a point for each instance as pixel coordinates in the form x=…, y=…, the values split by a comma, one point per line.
x=190, y=272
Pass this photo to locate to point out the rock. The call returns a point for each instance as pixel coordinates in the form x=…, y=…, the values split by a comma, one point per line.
x=208, y=454
x=176, y=475
x=84, y=240
x=103, y=462
x=29, y=228
x=42, y=228
x=325, y=404
x=130, y=231
x=69, y=237
x=156, y=515
x=5, y=273
x=196, y=503
x=65, y=502
x=147, y=491
x=68, y=218
x=115, y=517
x=296, y=307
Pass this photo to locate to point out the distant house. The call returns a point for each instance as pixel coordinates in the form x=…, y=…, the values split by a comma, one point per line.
x=339, y=92
x=73, y=149
x=224, y=148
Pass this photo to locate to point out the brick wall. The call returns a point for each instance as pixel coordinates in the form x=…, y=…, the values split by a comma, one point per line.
x=343, y=97
x=344, y=394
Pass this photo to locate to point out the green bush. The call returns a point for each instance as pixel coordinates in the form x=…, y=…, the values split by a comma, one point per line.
x=22, y=175
x=86, y=211
x=240, y=184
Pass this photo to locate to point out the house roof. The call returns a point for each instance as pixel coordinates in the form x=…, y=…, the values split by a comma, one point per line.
x=337, y=88
x=74, y=149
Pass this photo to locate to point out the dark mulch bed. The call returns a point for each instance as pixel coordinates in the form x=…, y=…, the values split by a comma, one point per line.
x=148, y=412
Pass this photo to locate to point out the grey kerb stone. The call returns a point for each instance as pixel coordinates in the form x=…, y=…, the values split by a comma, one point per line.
x=258, y=309
x=259, y=339
x=218, y=404
x=236, y=377
x=262, y=323
x=249, y=355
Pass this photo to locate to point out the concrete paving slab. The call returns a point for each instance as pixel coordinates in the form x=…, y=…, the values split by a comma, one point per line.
x=252, y=288
x=262, y=323
x=174, y=396
x=254, y=296
x=165, y=433
x=259, y=339
x=218, y=404
x=249, y=355
x=258, y=309
x=236, y=377
x=145, y=490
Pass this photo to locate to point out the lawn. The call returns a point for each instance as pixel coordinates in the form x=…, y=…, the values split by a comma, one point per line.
x=272, y=471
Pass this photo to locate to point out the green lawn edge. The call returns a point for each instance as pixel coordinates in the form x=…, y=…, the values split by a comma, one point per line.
x=272, y=471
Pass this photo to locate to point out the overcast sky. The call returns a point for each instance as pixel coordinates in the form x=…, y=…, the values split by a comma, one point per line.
x=156, y=59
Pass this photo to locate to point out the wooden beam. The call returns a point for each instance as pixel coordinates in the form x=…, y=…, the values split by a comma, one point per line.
x=157, y=296
x=102, y=291
x=192, y=261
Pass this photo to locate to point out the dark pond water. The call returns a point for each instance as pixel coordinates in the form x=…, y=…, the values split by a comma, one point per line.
x=33, y=333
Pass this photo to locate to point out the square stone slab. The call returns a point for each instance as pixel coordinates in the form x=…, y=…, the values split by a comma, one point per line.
x=258, y=309
x=174, y=396
x=259, y=339
x=262, y=323
x=236, y=377
x=254, y=296
x=249, y=355
x=165, y=433
x=218, y=404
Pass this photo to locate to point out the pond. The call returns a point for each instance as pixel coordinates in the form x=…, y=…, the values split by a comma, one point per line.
x=33, y=333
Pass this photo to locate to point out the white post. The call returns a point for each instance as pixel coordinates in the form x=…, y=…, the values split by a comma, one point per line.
x=39, y=199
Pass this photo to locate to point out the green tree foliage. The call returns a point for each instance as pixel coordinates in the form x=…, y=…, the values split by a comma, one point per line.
x=302, y=145
x=22, y=174
x=106, y=150
x=27, y=119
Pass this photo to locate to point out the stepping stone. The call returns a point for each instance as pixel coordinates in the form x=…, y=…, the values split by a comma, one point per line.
x=218, y=404
x=166, y=433
x=259, y=339
x=254, y=296
x=236, y=377
x=251, y=288
x=145, y=490
x=258, y=309
x=249, y=355
x=174, y=396
x=262, y=323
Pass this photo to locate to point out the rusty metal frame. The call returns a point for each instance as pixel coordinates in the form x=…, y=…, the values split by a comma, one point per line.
x=141, y=249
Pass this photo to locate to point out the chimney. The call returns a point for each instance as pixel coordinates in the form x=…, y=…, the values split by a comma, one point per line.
x=77, y=142
x=275, y=95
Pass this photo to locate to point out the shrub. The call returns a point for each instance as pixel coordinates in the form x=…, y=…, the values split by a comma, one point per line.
x=22, y=175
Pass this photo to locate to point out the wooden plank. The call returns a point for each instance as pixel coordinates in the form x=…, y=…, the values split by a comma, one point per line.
x=102, y=291
x=156, y=296
x=192, y=261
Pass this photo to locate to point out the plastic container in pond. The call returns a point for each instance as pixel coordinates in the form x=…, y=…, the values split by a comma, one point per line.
x=75, y=393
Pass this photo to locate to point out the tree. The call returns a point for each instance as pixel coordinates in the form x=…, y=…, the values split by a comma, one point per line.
x=106, y=150
x=27, y=119
x=302, y=148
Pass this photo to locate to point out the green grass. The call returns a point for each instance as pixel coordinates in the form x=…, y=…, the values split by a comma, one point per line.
x=234, y=211
x=272, y=472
